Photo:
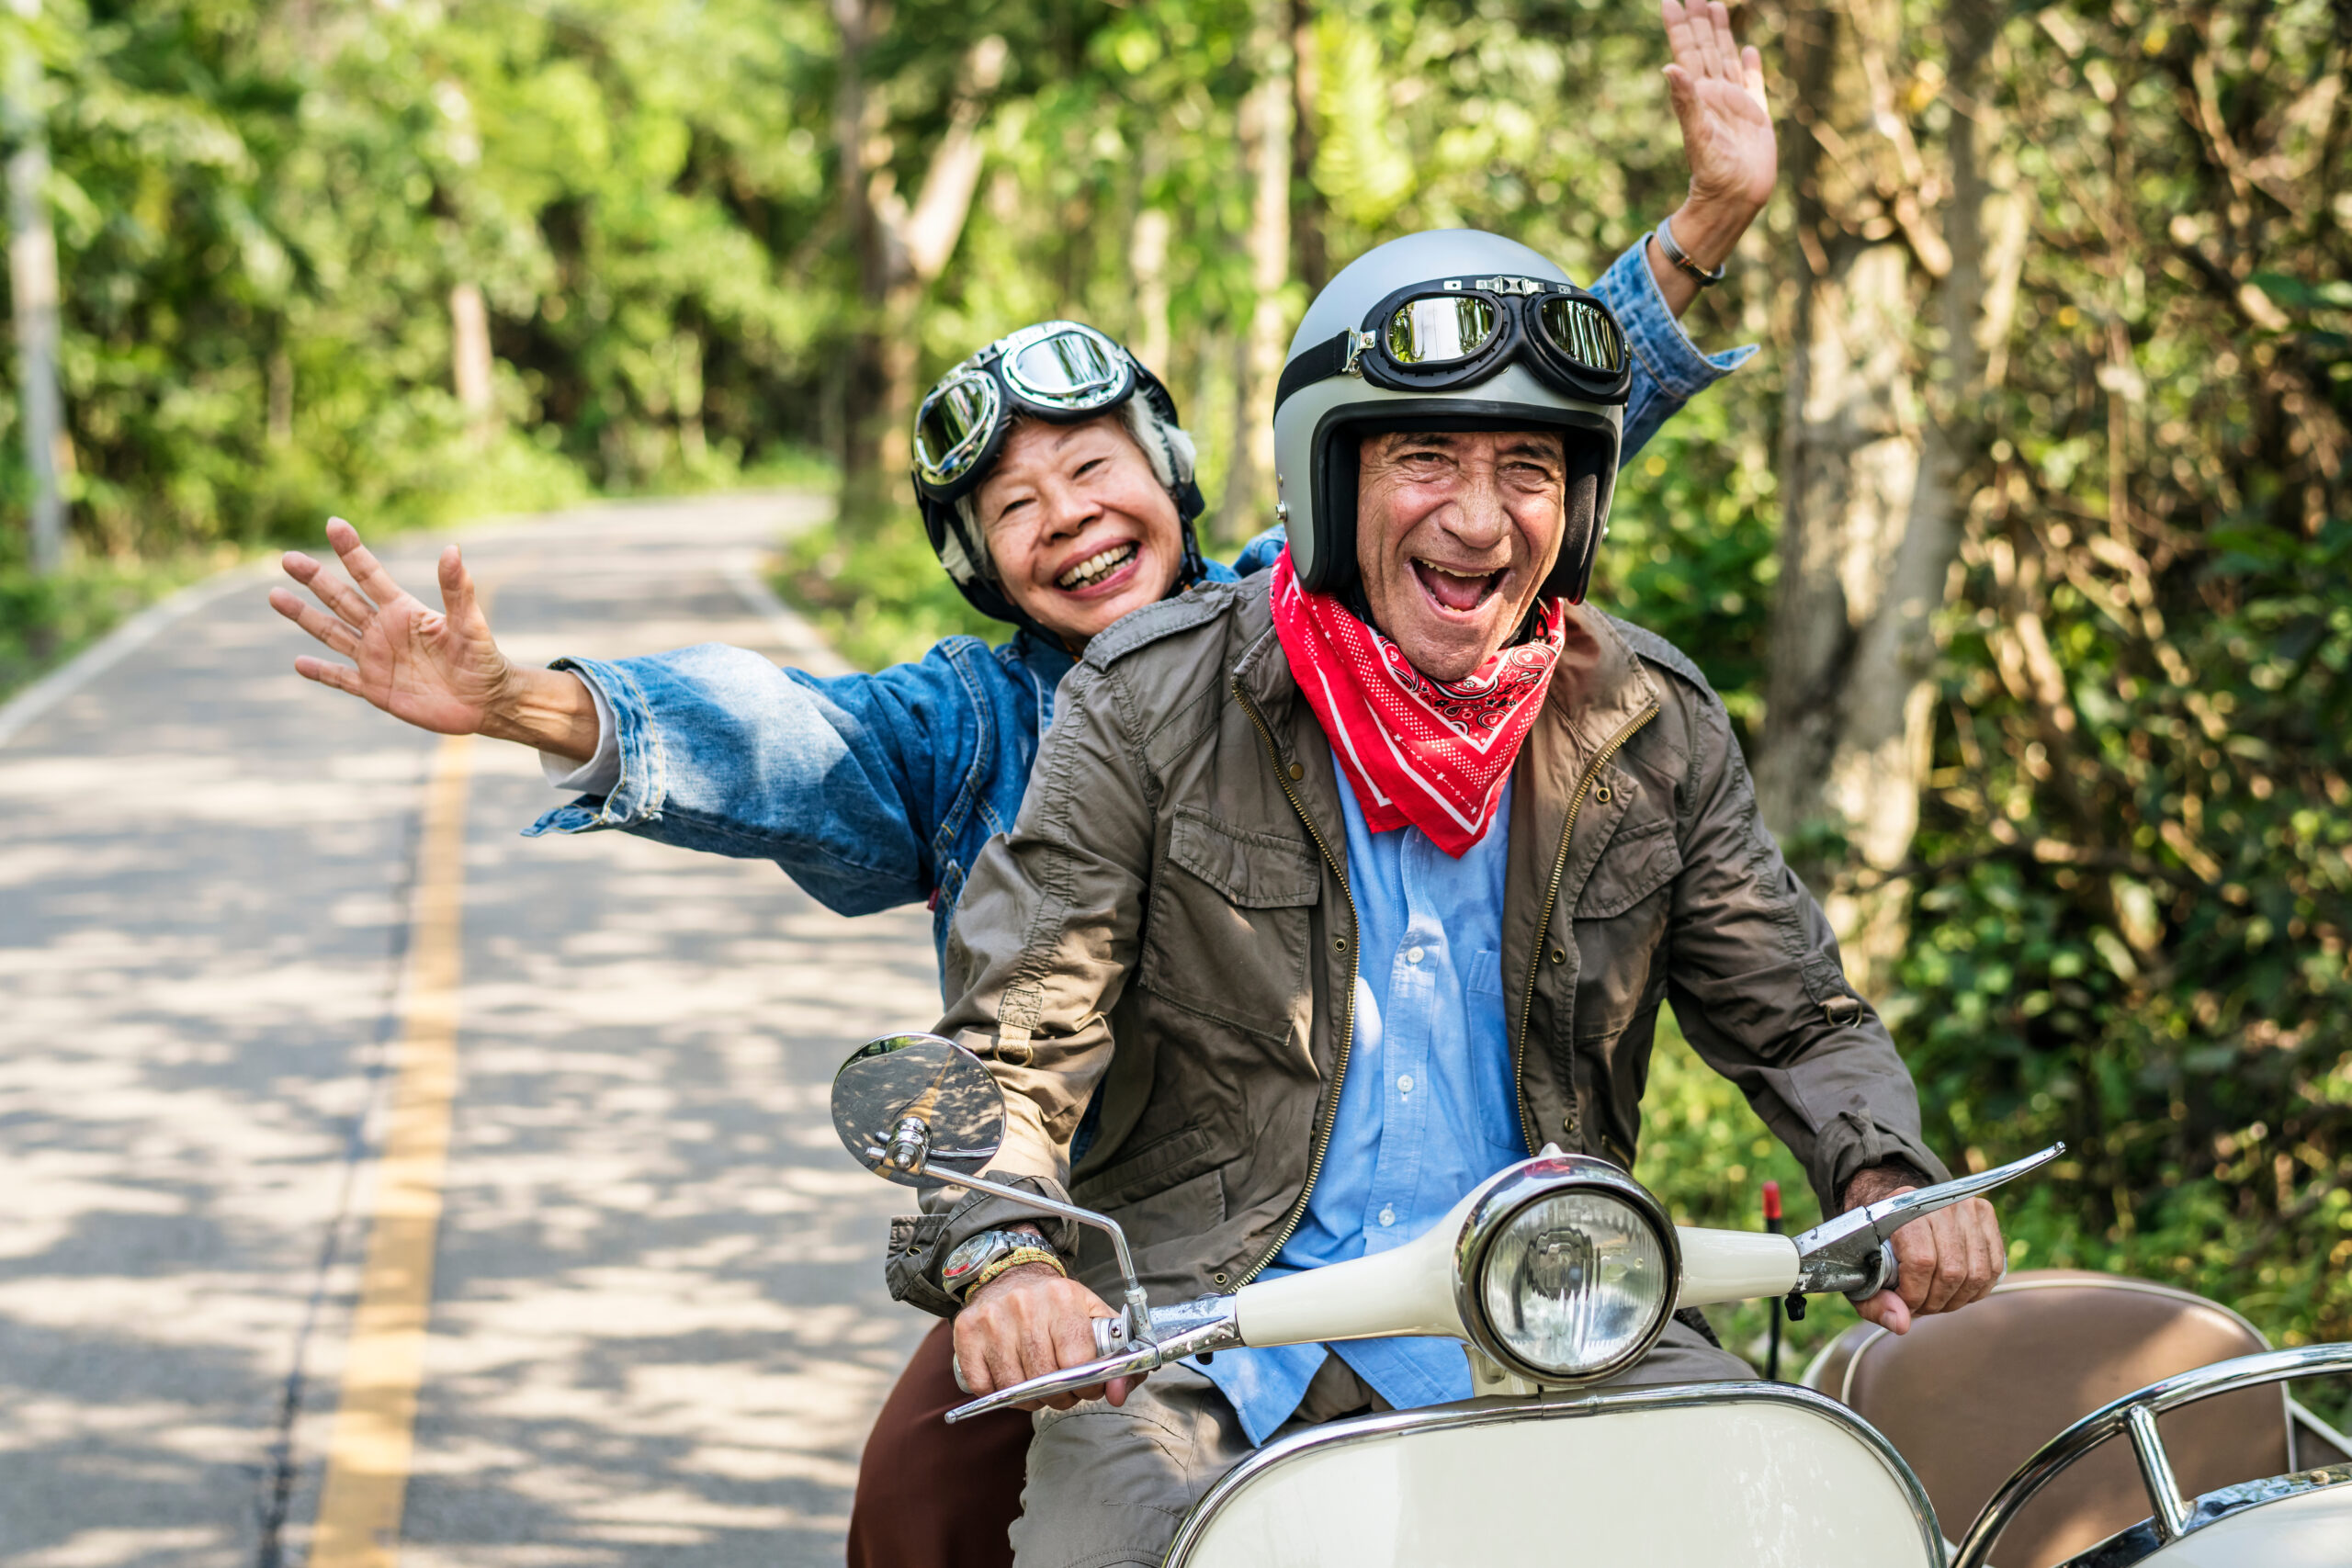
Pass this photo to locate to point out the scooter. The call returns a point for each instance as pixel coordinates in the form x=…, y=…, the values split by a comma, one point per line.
x=1554, y=1274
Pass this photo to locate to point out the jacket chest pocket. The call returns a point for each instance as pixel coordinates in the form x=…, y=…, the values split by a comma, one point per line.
x=1226, y=934
x=1621, y=919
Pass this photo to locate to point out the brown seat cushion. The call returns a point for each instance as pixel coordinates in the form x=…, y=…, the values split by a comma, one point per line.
x=1969, y=1397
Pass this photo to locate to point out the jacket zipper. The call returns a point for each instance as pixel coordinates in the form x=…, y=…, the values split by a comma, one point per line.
x=1544, y=925
x=1347, y=1034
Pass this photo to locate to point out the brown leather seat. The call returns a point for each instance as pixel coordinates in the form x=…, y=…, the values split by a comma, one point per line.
x=1967, y=1398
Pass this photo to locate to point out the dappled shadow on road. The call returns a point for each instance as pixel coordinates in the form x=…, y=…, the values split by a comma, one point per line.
x=195, y=945
x=661, y=1320
x=659, y=1327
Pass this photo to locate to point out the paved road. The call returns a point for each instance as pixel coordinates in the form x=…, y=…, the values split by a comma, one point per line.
x=656, y=1329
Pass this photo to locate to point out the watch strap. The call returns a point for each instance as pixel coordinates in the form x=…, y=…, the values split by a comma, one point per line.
x=967, y=1266
x=1014, y=1259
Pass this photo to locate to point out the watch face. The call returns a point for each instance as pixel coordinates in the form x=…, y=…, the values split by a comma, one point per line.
x=970, y=1259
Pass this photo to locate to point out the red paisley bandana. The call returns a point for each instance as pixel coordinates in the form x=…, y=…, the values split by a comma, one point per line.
x=1430, y=754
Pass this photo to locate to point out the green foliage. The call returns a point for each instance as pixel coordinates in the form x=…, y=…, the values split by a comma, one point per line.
x=878, y=597
x=44, y=620
x=2134, y=866
x=262, y=211
x=1707, y=1157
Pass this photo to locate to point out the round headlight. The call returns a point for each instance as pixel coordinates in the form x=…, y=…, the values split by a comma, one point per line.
x=1571, y=1268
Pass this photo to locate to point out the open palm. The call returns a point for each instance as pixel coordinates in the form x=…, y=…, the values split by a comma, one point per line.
x=439, y=670
x=1718, y=93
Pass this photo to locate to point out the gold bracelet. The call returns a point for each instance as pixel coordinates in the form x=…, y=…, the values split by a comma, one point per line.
x=1014, y=1259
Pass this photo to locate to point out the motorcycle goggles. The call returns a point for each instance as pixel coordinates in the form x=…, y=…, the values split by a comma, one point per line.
x=1452, y=333
x=1060, y=371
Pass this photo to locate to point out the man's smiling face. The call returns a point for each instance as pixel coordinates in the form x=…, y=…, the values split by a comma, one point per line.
x=1077, y=525
x=1455, y=532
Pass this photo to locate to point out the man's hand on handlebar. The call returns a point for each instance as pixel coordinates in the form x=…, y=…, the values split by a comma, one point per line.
x=1942, y=1262
x=1028, y=1321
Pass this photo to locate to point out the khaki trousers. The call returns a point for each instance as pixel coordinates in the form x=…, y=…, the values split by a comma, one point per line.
x=1108, y=1488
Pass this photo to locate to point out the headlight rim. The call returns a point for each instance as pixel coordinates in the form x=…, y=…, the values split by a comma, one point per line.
x=1529, y=1182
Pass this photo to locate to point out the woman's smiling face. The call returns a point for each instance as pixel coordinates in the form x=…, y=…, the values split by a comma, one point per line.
x=1077, y=525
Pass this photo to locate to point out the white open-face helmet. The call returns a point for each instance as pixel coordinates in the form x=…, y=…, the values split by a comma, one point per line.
x=1449, y=329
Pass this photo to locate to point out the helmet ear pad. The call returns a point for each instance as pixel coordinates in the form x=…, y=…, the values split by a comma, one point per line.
x=1590, y=448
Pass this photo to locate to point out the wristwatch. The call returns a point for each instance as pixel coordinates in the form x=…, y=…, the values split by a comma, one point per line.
x=984, y=1256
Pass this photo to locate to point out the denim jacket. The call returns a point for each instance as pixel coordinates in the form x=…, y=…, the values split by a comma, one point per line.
x=872, y=791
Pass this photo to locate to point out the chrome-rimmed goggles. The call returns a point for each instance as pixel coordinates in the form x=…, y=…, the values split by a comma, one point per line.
x=1457, y=332
x=1055, y=370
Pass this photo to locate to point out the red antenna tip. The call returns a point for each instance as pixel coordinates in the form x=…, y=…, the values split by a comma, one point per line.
x=1771, y=1200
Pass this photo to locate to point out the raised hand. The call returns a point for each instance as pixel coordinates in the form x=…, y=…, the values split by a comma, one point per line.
x=1718, y=93
x=439, y=670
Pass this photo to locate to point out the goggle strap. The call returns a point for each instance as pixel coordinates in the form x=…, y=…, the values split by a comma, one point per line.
x=1318, y=361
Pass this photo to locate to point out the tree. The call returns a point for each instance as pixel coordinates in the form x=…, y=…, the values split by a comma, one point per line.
x=1874, y=454
x=900, y=248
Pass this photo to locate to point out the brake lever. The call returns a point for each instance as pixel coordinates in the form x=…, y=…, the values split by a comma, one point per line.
x=1853, y=1253
x=1189, y=1329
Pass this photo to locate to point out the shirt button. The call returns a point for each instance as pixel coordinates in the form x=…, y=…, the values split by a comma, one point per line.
x=1413, y=955
x=1387, y=1216
x=1298, y=772
x=1405, y=1084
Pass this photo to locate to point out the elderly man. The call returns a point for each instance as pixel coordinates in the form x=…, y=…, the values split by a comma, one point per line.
x=1354, y=882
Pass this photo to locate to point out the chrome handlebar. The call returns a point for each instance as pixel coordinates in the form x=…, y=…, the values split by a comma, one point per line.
x=1853, y=1253
x=1188, y=1328
x=1850, y=1253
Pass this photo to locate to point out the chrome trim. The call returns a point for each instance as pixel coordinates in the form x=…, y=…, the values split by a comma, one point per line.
x=2301, y=1426
x=2156, y=1473
x=1530, y=1181
x=1446, y=1417
x=2133, y=1546
x=2158, y=1398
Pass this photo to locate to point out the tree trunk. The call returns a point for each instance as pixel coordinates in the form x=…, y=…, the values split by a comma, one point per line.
x=863, y=375
x=469, y=355
x=1148, y=264
x=1258, y=365
x=1871, y=481
x=901, y=249
x=32, y=279
x=1310, y=257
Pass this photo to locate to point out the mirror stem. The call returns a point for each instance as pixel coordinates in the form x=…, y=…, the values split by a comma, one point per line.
x=1138, y=1306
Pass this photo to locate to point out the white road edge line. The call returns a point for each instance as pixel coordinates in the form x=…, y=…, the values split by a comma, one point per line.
x=53, y=688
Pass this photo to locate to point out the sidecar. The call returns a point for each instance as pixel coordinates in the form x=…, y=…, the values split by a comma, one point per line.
x=2176, y=1442
x=1724, y=1474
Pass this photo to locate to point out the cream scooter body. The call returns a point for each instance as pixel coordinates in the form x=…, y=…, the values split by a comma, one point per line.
x=1409, y=1290
x=1707, y=1475
x=1538, y=1467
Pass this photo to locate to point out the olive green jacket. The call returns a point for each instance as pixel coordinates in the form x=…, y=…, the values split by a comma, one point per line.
x=1170, y=920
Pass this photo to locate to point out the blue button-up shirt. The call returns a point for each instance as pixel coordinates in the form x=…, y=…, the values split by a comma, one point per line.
x=1428, y=1108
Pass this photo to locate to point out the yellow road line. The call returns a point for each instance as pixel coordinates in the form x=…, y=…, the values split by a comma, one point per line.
x=368, y=1453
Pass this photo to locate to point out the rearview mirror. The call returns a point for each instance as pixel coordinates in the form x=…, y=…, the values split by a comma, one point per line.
x=917, y=1109
x=921, y=1111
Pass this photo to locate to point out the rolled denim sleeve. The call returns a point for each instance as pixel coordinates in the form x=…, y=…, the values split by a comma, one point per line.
x=1669, y=369
x=720, y=750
